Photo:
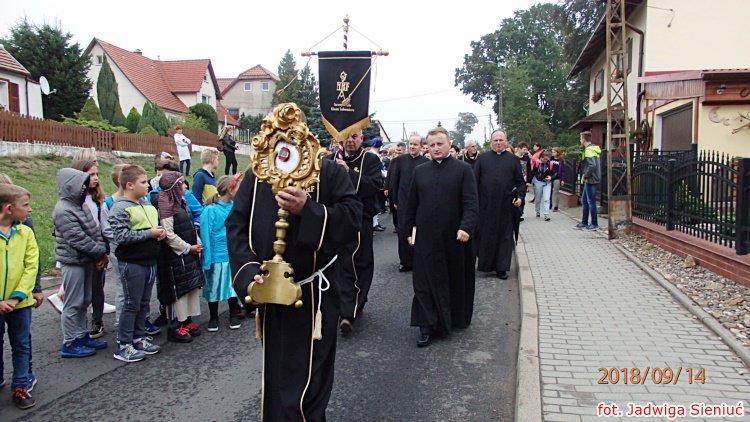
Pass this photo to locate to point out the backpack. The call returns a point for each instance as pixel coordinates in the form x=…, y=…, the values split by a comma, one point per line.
x=220, y=145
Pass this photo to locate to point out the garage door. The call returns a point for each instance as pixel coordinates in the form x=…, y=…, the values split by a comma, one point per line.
x=677, y=129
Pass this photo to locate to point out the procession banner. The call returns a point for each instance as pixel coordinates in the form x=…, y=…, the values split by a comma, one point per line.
x=344, y=91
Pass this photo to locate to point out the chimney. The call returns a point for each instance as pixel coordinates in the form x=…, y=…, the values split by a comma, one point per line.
x=138, y=51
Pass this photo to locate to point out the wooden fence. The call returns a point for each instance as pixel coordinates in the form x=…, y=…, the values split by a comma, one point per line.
x=18, y=128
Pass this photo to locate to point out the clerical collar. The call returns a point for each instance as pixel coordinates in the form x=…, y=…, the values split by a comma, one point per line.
x=415, y=156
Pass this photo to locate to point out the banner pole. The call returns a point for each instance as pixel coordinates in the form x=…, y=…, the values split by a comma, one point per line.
x=346, y=32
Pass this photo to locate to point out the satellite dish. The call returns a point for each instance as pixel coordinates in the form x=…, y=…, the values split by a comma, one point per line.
x=44, y=85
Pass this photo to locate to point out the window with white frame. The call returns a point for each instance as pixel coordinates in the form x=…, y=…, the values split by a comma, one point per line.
x=264, y=86
x=205, y=99
x=248, y=86
x=99, y=59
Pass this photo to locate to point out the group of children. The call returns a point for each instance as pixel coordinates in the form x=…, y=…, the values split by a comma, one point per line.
x=148, y=232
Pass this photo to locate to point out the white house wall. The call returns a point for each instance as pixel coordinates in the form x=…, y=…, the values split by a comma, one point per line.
x=207, y=89
x=129, y=94
x=251, y=103
x=35, y=100
x=701, y=34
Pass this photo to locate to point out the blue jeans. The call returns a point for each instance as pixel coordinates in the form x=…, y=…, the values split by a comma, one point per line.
x=137, y=284
x=588, y=200
x=542, y=192
x=19, y=334
x=185, y=163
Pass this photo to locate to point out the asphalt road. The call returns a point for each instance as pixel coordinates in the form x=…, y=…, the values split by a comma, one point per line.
x=380, y=373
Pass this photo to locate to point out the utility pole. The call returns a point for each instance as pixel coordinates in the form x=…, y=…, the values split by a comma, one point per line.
x=619, y=189
x=500, y=101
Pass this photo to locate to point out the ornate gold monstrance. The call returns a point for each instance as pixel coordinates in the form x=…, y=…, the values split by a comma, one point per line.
x=285, y=153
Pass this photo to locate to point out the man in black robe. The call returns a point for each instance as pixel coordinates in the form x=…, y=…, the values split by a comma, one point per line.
x=357, y=261
x=400, y=176
x=501, y=191
x=442, y=213
x=471, y=154
x=391, y=206
x=297, y=370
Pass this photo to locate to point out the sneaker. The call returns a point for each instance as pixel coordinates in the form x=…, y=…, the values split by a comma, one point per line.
x=152, y=329
x=592, y=228
x=128, y=353
x=89, y=342
x=97, y=330
x=555, y=209
x=546, y=218
x=537, y=215
x=32, y=378
x=22, y=399
x=379, y=228
x=179, y=335
x=144, y=345
x=109, y=309
x=213, y=325
x=75, y=349
x=580, y=226
x=194, y=329
x=56, y=302
x=234, y=323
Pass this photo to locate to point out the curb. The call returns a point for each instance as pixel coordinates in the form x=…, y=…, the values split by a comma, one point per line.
x=528, y=375
x=693, y=308
x=709, y=321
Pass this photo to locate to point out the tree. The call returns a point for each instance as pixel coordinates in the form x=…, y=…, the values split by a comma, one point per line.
x=207, y=113
x=148, y=130
x=147, y=116
x=131, y=122
x=90, y=111
x=160, y=121
x=47, y=51
x=192, y=121
x=287, y=80
x=106, y=92
x=251, y=123
x=118, y=119
x=464, y=126
x=533, y=42
x=308, y=101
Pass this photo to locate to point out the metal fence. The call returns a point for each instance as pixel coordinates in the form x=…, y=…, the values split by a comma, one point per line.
x=704, y=194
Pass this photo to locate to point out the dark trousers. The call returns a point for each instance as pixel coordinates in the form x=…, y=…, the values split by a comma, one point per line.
x=588, y=200
x=19, y=334
x=231, y=159
x=405, y=251
x=394, y=213
x=97, y=296
x=185, y=163
x=356, y=272
x=234, y=307
x=137, y=284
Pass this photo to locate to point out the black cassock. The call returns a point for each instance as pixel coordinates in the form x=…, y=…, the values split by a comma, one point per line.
x=297, y=370
x=400, y=175
x=442, y=200
x=497, y=177
x=357, y=261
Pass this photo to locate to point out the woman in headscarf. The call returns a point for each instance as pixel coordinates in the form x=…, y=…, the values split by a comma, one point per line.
x=179, y=266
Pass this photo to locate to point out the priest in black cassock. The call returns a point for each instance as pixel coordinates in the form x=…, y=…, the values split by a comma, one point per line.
x=442, y=214
x=400, y=175
x=471, y=153
x=501, y=191
x=297, y=370
x=357, y=261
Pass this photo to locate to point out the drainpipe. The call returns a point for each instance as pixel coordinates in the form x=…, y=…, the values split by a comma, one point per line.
x=641, y=93
x=26, y=80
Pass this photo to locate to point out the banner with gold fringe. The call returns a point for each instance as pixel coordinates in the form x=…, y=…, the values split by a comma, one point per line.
x=344, y=91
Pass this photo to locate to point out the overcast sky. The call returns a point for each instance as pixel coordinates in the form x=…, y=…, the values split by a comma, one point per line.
x=426, y=41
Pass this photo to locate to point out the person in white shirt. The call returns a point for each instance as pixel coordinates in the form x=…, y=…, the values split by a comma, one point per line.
x=183, y=149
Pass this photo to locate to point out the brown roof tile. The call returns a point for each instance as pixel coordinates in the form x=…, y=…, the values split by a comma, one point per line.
x=8, y=62
x=224, y=83
x=221, y=112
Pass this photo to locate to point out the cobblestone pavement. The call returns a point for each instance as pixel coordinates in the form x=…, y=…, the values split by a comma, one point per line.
x=599, y=310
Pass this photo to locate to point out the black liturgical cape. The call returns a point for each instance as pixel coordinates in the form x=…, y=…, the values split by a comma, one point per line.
x=400, y=175
x=499, y=181
x=357, y=260
x=442, y=200
x=297, y=370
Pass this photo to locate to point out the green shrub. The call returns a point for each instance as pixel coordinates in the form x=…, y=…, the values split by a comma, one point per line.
x=106, y=92
x=147, y=116
x=194, y=122
x=95, y=124
x=90, y=111
x=118, y=119
x=160, y=122
x=131, y=122
x=148, y=130
x=207, y=113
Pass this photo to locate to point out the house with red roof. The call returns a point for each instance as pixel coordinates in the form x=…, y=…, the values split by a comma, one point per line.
x=18, y=92
x=173, y=85
x=250, y=93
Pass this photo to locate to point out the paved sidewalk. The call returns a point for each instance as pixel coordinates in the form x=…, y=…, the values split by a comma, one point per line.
x=597, y=310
